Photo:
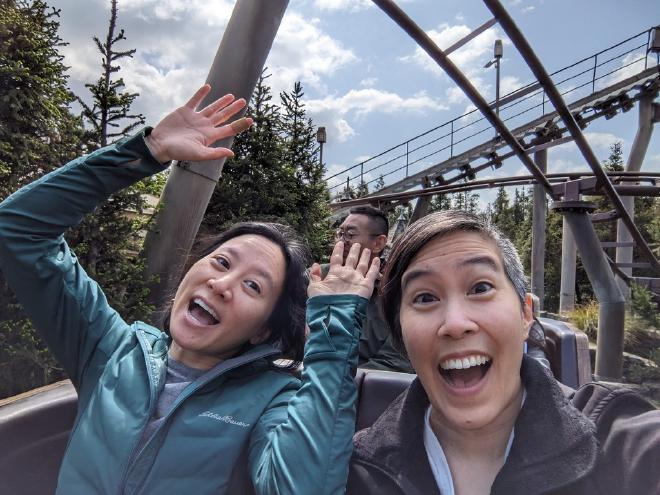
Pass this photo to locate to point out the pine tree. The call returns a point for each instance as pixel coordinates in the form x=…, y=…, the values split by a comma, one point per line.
x=111, y=105
x=37, y=134
x=362, y=190
x=275, y=175
x=37, y=131
x=108, y=241
x=503, y=214
x=298, y=132
x=380, y=183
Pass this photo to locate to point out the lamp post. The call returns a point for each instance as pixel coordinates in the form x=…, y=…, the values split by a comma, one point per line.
x=497, y=57
x=321, y=138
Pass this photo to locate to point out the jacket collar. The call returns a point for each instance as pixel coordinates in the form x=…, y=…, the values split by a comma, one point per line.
x=551, y=436
x=155, y=344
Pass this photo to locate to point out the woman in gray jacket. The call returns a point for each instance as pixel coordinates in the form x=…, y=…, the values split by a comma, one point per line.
x=482, y=417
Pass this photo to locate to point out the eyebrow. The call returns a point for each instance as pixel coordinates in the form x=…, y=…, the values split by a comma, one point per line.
x=262, y=273
x=475, y=260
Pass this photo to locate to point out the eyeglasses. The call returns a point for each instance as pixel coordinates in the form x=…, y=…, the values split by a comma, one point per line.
x=341, y=235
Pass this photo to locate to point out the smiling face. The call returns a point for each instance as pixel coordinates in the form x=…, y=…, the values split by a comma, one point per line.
x=225, y=300
x=463, y=327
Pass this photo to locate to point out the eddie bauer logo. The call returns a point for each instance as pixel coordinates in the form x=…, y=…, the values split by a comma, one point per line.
x=225, y=419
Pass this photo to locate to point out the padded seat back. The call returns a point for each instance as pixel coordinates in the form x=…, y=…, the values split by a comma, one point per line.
x=376, y=390
x=34, y=428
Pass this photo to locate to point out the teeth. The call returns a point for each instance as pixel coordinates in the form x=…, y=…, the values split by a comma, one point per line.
x=463, y=363
x=205, y=307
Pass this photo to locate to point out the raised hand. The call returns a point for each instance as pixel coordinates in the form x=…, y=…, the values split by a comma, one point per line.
x=353, y=276
x=187, y=134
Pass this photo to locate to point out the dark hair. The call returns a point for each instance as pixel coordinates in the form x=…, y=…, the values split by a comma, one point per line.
x=431, y=227
x=287, y=321
x=378, y=218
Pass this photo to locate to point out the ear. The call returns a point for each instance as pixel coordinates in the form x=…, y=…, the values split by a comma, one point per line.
x=528, y=313
x=261, y=337
x=379, y=244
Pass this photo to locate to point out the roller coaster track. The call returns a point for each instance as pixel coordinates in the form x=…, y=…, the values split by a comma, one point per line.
x=534, y=135
x=547, y=131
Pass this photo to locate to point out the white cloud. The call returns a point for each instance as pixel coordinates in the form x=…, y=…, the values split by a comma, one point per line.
x=599, y=141
x=634, y=63
x=361, y=158
x=351, y=5
x=303, y=52
x=368, y=82
x=332, y=111
x=528, y=9
x=334, y=169
x=178, y=63
x=470, y=59
x=652, y=163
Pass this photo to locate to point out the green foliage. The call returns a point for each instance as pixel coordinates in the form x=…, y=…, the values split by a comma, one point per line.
x=37, y=134
x=109, y=117
x=108, y=241
x=275, y=174
x=643, y=305
x=37, y=131
x=380, y=183
x=585, y=318
x=362, y=189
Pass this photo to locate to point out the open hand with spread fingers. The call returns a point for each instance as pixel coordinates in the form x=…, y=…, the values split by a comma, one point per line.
x=187, y=134
x=355, y=275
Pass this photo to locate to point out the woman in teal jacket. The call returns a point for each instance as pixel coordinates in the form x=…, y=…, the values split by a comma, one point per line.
x=201, y=408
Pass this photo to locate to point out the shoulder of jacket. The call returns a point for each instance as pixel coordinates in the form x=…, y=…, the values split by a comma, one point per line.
x=596, y=398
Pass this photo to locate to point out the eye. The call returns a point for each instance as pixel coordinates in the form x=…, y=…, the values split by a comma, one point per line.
x=252, y=285
x=481, y=288
x=424, y=298
x=222, y=261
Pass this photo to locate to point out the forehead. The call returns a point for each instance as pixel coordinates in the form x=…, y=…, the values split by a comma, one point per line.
x=356, y=221
x=456, y=250
x=256, y=251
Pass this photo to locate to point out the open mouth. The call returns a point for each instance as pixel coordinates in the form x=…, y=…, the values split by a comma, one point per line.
x=465, y=372
x=201, y=312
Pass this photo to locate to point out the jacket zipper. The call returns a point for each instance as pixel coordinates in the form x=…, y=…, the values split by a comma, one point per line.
x=146, y=349
x=180, y=399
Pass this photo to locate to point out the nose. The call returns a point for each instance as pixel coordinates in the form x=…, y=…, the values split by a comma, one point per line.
x=222, y=286
x=457, y=322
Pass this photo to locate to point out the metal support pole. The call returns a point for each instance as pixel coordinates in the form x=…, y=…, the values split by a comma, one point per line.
x=538, y=231
x=611, y=311
x=497, y=87
x=568, y=264
x=236, y=68
x=624, y=254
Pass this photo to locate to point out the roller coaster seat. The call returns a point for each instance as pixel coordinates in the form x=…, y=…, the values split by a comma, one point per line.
x=34, y=427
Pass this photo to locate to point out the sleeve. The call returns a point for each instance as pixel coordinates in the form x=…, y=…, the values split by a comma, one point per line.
x=303, y=445
x=66, y=306
x=388, y=358
x=628, y=430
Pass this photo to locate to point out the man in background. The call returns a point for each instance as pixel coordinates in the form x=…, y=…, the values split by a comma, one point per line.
x=369, y=227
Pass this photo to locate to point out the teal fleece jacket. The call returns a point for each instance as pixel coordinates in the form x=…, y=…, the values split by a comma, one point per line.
x=242, y=427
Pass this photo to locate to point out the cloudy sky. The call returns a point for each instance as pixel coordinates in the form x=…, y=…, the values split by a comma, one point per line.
x=364, y=79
